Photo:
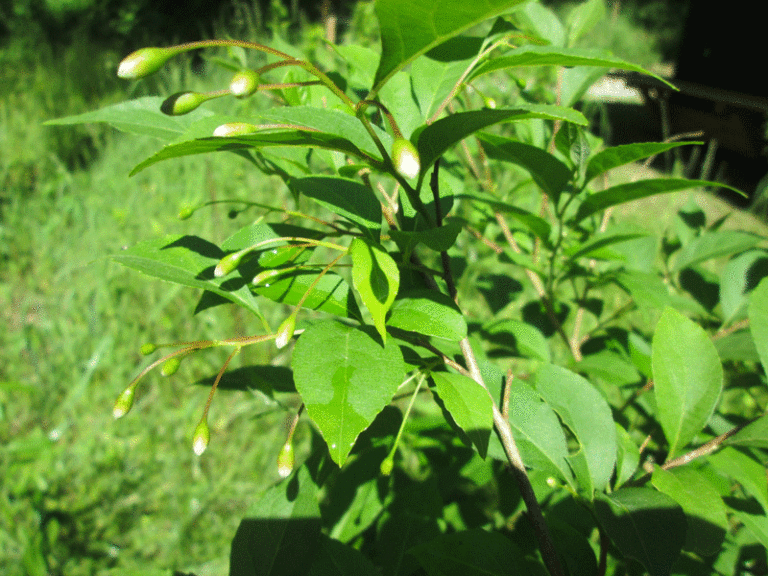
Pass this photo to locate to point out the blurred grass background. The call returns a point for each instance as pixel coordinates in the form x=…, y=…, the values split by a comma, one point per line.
x=82, y=493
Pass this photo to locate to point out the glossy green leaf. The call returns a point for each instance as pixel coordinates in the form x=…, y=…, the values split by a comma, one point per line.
x=345, y=378
x=434, y=140
x=627, y=457
x=758, y=320
x=470, y=405
x=738, y=278
x=584, y=410
x=687, y=377
x=521, y=337
x=412, y=27
x=713, y=245
x=537, y=432
x=376, y=278
x=280, y=532
x=629, y=191
x=347, y=198
x=330, y=293
x=644, y=525
x=616, y=156
x=754, y=435
x=703, y=507
x=141, y=116
x=428, y=313
x=189, y=261
x=549, y=173
x=474, y=553
x=532, y=55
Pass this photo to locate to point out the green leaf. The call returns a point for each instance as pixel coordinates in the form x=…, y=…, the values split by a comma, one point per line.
x=749, y=473
x=376, y=278
x=621, y=193
x=435, y=139
x=536, y=224
x=474, y=553
x=469, y=404
x=737, y=279
x=412, y=27
x=754, y=435
x=541, y=23
x=537, y=432
x=267, y=138
x=704, y=509
x=611, y=158
x=439, y=239
x=532, y=55
x=584, y=410
x=141, y=116
x=189, y=261
x=687, y=377
x=749, y=513
x=347, y=198
x=429, y=313
x=280, y=532
x=345, y=378
x=549, y=173
x=330, y=293
x=524, y=339
x=627, y=458
x=645, y=525
x=758, y=320
x=583, y=18
x=595, y=246
x=713, y=245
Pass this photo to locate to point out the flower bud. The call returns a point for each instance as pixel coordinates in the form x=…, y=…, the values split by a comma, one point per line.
x=201, y=437
x=386, y=465
x=171, y=366
x=228, y=263
x=124, y=402
x=265, y=275
x=144, y=62
x=244, y=83
x=235, y=129
x=285, y=460
x=148, y=348
x=405, y=158
x=186, y=213
x=182, y=103
x=490, y=103
x=285, y=332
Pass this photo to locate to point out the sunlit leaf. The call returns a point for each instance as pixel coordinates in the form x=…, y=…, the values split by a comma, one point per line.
x=469, y=404
x=376, y=278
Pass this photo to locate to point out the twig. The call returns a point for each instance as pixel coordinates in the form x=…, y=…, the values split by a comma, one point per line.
x=705, y=449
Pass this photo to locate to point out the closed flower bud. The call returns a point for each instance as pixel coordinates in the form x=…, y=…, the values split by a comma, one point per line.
x=144, y=62
x=386, y=465
x=201, y=437
x=285, y=460
x=285, y=332
x=235, y=129
x=244, y=83
x=265, y=275
x=405, y=158
x=171, y=366
x=148, y=348
x=124, y=402
x=182, y=103
x=186, y=213
x=228, y=263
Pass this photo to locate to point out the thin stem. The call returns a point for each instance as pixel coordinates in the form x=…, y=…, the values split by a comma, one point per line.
x=234, y=353
x=706, y=448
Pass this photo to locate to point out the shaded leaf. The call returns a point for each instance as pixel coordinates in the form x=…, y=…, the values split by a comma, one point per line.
x=627, y=458
x=337, y=559
x=753, y=435
x=644, y=525
x=758, y=320
x=687, y=376
x=519, y=336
